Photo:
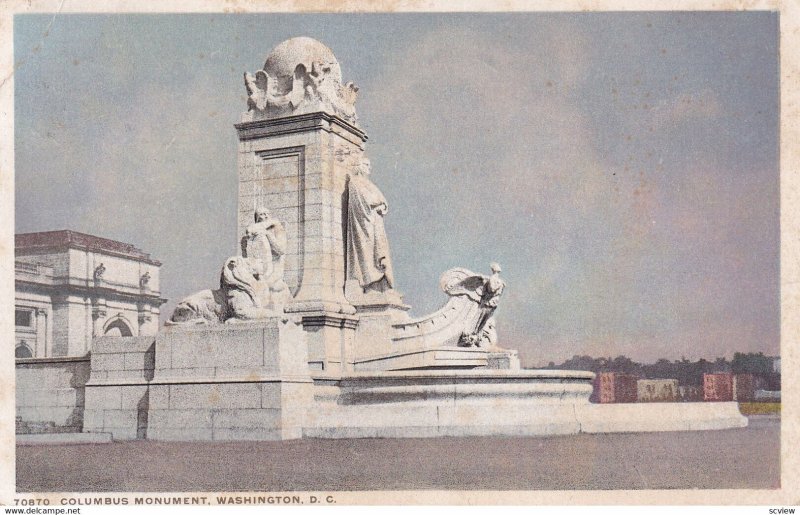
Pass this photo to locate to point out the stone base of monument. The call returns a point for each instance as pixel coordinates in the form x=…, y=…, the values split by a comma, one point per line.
x=251, y=381
x=492, y=402
x=448, y=403
x=241, y=381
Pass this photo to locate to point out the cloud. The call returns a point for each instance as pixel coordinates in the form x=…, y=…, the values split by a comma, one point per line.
x=601, y=255
x=703, y=105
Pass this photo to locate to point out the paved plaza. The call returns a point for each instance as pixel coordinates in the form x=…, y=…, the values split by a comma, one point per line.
x=731, y=458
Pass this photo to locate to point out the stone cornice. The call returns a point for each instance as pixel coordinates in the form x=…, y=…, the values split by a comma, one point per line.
x=53, y=359
x=66, y=289
x=27, y=244
x=296, y=124
x=338, y=320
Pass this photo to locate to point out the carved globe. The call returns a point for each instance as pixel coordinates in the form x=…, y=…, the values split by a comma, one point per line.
x=285, y=58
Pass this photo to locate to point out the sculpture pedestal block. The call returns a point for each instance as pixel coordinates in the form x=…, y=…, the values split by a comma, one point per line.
x=242, y=381
x=503, y=359
x=245, y=381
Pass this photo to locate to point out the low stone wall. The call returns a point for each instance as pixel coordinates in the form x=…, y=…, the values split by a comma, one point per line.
x=414, y=404
x=245, y=381
x=117, y=395
x=662, y=416
x=50, y=394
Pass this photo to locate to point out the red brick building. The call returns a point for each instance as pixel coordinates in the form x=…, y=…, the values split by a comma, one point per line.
x=614, y=387
x=718, y=387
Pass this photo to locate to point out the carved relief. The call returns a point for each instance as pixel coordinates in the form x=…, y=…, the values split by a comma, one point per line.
x=300, y=76
x=265, y=241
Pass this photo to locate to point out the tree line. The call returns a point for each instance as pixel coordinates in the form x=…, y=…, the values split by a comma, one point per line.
x=688, y=373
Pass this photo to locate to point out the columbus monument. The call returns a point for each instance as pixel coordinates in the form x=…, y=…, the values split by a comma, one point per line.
x=307, y=335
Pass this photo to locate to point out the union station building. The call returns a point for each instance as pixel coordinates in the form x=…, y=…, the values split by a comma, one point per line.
x=71, y=287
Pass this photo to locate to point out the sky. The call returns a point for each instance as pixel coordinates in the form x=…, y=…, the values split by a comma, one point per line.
x=621, y=167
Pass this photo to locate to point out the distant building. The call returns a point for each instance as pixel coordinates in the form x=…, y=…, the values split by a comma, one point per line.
x=718, y=387
x=71, y=287
x=767, y=396
x=744, y=387
x=690, y=393
x=657, y=390
x=728, y=387
x=614, y=387
x=776, y=365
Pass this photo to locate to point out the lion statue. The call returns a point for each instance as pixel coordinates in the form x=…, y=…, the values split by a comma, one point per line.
x=236, y=299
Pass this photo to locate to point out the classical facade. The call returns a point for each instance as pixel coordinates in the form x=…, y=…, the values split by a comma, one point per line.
x=71, y=287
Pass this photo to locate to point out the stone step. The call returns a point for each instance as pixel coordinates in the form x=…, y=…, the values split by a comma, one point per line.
x=64, y=439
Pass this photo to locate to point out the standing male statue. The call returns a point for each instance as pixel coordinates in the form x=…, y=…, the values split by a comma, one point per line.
x=368, y=259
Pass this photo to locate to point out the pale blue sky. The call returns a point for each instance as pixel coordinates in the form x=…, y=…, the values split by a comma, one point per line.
x=623, y=168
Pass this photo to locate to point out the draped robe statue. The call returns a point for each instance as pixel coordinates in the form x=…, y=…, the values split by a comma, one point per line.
x=265, y=241
x=368, y=260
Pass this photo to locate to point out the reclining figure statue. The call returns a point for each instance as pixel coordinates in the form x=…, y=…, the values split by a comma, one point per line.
x=251, y=286
x=236, y=298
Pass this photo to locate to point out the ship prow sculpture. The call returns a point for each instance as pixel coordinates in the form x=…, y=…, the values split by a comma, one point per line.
x=307, y=335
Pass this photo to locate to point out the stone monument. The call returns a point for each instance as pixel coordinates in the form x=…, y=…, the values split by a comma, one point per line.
x=302, y=156
x=307, y=334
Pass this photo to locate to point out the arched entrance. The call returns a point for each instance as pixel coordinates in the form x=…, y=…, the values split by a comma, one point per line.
x=23, y=351
x=118, y=327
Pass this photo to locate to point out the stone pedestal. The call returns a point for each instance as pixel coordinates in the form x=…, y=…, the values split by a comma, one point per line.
x=290, y=166
x=331, y=338
x=246, y=381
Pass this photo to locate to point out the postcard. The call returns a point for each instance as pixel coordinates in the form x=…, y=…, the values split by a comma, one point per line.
x=358, y=254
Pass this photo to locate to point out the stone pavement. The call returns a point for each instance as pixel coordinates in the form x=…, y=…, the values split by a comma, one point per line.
x=732, y=458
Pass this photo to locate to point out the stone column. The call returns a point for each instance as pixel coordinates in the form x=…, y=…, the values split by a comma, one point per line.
x=40, y=348
x=297, y=138
x=289, y=165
